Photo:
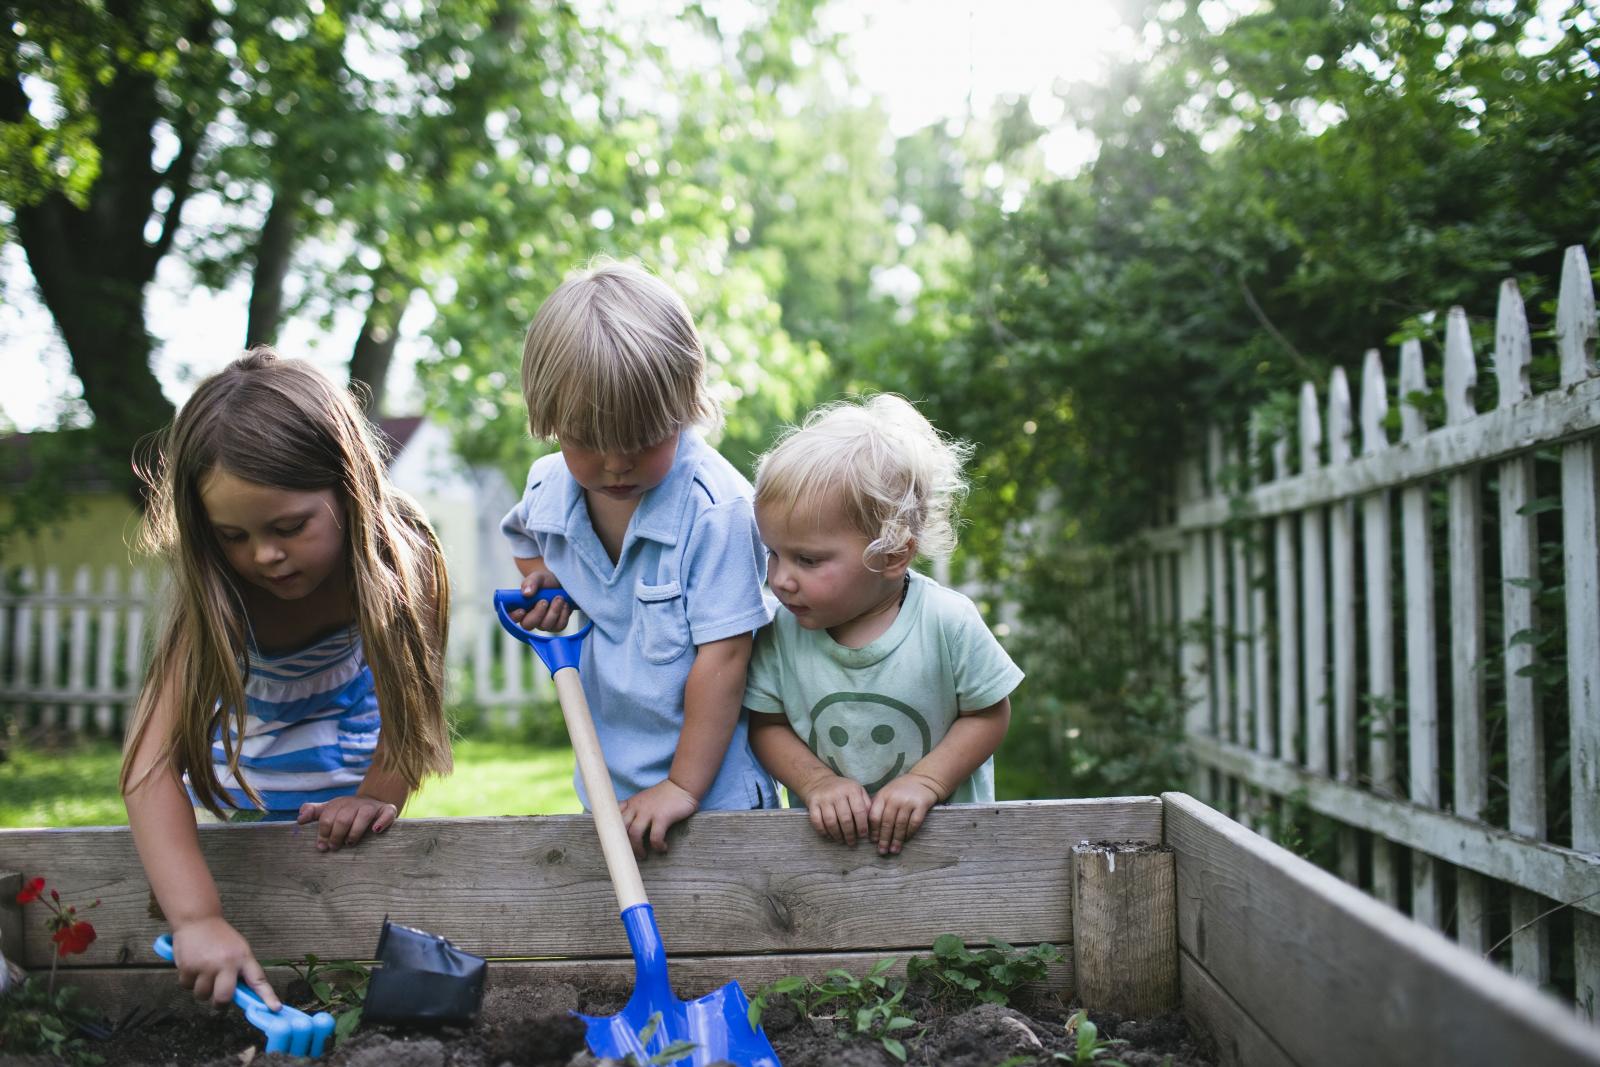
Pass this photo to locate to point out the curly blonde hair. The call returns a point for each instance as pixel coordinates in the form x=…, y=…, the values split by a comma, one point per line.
x=896, y=478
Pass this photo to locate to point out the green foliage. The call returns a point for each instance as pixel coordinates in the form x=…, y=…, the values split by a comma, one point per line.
x=674, y=1052
x=861, y=1007
x=986, y=975
x=338, y=987
x=1088, y=1046
x=36, y=1019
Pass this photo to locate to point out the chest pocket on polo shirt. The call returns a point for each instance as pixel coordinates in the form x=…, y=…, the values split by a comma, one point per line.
x=662, y=622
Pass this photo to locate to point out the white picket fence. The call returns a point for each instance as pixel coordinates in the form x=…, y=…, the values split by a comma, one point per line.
x=73, y=653
x=1310, y=646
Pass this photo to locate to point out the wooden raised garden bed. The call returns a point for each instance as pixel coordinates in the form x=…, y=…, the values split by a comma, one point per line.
x=1277, y=962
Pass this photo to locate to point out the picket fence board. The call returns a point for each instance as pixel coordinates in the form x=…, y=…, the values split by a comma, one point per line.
x=1376, y=549
x=1387, y=990
x=536, y=886
x=1580, y=532
x=1470, y=766
x=1288, y=619
x=1559, y=873
x=1313, y=592
x=1550, y=418
x=1519, y=569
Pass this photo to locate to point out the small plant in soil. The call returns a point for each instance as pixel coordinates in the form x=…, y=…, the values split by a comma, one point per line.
x=37, y=1017
x=987, y=975
x=864, y=1007
x=1088, y=1047
x=338, y=987
x=671, y=1054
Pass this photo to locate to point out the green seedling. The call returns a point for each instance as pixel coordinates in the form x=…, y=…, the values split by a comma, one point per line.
x=1089, y=1047
x=866, y=1006
x=987, y=975
x=339, y=988
x=37, y=1018
x=671, y=1054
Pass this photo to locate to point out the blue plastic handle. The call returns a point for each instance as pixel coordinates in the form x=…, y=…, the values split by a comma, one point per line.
x=557, y=650
x=288, y=1029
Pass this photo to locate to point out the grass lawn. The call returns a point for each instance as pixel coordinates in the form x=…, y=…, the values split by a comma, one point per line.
x=77, y=786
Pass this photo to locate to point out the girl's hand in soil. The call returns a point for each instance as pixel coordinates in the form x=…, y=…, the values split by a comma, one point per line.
x=650, y=813
x=345, y=820
x=838, y=808
x=899, y=809
x=212, y=958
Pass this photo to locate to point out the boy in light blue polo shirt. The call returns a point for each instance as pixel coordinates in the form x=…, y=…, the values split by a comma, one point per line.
x=653, y=535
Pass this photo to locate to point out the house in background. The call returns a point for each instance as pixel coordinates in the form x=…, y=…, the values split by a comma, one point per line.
x=465, y=503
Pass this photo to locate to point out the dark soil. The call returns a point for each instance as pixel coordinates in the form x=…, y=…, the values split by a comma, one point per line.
x=531, y=1026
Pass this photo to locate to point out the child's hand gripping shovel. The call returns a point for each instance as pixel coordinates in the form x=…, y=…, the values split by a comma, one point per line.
x=717, y=1024
x=288, y=1029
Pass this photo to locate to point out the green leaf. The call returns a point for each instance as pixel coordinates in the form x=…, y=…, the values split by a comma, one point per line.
x=894, y=1048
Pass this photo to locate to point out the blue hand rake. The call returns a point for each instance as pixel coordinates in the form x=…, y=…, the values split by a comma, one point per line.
x=717, y=1025
x=288, y=1029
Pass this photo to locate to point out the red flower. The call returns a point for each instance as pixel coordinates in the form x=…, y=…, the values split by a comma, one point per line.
x=31, y=891
x=73, y=938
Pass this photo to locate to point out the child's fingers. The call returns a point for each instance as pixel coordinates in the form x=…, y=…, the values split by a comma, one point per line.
x=360, y=824
x=858, y=815
x=335, y=827
x=386, y=817
x=254, y=977
x=658, y=834
x=637, y=825
x=309, y=812
x=222, y=986
x=897, y=827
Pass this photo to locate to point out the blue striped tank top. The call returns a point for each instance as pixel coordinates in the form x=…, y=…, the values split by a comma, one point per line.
x=311, y=726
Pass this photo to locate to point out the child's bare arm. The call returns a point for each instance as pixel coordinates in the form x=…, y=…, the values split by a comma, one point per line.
x=900, y=807
x=712, y=699
x=212, y=956
x=837, y=805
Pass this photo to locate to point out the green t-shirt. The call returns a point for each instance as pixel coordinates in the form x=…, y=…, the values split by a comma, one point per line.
x=871, y=713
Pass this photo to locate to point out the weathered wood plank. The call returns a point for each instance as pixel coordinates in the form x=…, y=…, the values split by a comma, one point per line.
x=1559, y=873
x=1580, y=535
x=1226, y=713
x=1286, y=570
x=1422, y=685
x=1194, y=672
x=1464, y=493
x=1215, y=1016
x=1124, y=937
x=1550, y=418
x=1376, y=548
x=1342, y=621
x=733, y=882
x=1313, y=592
x=1251, y=913
x=1519, y=570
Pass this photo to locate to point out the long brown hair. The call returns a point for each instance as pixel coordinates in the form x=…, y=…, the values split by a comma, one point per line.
x=281, y=423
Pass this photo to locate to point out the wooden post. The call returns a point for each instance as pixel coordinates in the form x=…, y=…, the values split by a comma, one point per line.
x=1124, y=928
x=10, y=919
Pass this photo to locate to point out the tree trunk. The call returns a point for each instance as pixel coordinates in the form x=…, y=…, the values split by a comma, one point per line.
x=374, y=351
x=273, y=252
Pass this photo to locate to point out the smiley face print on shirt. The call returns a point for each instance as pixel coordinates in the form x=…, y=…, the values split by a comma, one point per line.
x=869, y=737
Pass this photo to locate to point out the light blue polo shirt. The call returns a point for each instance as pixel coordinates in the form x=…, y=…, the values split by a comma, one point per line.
x=690, y=572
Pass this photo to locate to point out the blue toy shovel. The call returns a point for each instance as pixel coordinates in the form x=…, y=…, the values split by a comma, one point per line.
x=288, y=1029
x=717, y=1024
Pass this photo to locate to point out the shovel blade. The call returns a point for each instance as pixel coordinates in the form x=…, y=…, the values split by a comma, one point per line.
x=717, y=1025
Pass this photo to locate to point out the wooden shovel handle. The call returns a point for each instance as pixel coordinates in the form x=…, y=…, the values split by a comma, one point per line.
x=614, y=843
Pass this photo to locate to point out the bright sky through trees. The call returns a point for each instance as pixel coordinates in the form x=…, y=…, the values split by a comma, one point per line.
x=926, y=60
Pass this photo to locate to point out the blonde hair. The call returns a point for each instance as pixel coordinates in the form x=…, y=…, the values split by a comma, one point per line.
x=279, y=422
x=897, y=479
x=612, y=362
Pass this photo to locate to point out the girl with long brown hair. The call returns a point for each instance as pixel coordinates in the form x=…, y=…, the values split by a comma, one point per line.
x=300, y=670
